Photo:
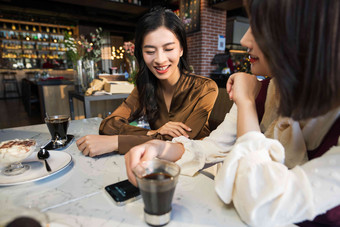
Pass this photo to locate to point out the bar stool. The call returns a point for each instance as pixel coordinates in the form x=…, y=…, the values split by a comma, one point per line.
x=10, y=84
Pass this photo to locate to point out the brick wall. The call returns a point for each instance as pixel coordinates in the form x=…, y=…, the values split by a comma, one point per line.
x=202, y=45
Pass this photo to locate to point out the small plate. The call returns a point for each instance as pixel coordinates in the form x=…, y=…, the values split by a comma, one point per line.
x=58, y=161
x=50, y=145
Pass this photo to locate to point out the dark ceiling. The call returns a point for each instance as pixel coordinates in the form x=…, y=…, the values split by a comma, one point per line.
x=116, y=16
x=111, y=15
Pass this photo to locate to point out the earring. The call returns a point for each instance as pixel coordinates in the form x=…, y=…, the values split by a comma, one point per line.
x=248, y=50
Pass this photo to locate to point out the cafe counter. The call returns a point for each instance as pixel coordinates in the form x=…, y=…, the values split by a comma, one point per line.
x=31, y=73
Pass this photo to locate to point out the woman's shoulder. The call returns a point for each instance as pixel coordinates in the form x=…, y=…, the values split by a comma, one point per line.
x=198, y=81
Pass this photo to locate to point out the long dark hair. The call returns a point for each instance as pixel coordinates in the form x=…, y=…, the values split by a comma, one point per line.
x=301, y=41
x=146, y=82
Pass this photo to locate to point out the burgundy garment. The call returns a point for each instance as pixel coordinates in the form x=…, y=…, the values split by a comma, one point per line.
x=261, y=99
x=332, y=217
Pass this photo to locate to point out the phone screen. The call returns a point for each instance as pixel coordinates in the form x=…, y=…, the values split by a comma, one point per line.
x=123, y=192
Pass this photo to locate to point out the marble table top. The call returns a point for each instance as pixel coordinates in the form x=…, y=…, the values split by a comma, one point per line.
x=75, y=196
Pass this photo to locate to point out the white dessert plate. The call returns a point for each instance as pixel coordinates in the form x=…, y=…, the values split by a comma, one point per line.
x=58, y=161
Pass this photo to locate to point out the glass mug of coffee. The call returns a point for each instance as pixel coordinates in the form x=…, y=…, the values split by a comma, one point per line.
x=157, y=181
x=58, y=125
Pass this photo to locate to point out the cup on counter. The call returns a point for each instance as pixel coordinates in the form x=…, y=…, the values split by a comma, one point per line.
x=157, y=181
x=58, y=125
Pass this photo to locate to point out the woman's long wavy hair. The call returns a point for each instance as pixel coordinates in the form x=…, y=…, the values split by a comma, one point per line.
x=146, y=82
x=301, y=41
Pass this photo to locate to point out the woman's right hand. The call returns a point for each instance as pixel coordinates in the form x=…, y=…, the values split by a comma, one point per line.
x=93, y=145
x=174, y=129
x=150, y=150
x=242, y=87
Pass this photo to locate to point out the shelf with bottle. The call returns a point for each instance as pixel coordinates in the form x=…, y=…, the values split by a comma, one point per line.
x=32, y=45
x=34, y=54
x=20, y=40
x=26, y=26
x=27, y=36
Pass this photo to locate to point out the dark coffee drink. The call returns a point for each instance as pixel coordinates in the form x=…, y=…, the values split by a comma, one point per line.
x=57, y=125
x=158, y=202
x=58, y=129
x=157, y=181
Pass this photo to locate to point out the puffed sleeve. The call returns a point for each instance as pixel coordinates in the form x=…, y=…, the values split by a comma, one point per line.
x=266, y=193
x=211, y=149
x=117, y=123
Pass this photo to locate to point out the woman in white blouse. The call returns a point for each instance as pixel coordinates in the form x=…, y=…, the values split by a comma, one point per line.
x=285, y=169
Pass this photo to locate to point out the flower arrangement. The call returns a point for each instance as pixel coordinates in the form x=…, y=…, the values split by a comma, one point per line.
x=129, y=48
x=82, y=49
x=84, y=55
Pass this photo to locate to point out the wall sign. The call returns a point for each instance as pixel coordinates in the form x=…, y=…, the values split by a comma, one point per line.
x=221, y=42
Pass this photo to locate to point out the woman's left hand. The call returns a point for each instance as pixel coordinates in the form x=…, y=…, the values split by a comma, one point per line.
x=174, y=129
x=242, y=87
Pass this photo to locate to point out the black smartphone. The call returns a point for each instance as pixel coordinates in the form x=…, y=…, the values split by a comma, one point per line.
x=123, y=192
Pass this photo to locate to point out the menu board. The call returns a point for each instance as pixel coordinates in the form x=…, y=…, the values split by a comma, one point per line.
x=190, y=15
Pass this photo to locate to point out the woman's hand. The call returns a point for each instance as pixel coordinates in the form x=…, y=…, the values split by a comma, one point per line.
x=150, y=150
x=93, y=145
x=243, y=87
x=174, y=129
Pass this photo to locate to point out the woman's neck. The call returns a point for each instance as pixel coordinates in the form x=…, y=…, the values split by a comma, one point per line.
x=169, y=85
x=168, y=88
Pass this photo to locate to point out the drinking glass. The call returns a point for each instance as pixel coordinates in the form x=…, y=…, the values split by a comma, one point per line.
x=157, y=181
x=58, y=125
x=12, y=157
x=22, y=216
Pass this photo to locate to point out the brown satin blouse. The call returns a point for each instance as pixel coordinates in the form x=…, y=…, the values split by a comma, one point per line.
x=191, y=104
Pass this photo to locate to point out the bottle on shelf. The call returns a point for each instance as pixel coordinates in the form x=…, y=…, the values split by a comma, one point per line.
x=27, y=43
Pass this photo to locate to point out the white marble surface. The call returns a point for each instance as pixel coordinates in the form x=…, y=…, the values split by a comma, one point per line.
x=194, y=204
x=76, y=197
x=86, y=175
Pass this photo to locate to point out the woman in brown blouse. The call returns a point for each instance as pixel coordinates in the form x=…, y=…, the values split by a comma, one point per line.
x=174, y=102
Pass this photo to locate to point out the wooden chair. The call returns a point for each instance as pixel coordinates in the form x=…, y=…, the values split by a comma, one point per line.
x=221, y=108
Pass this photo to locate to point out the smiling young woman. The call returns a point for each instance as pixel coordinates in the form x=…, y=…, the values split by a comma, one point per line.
x=173, y=101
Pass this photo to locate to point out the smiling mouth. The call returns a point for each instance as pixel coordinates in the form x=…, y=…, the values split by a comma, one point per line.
x=162, y=69
x=253, y=58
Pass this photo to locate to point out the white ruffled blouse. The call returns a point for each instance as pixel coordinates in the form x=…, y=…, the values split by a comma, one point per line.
x=268, y=176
